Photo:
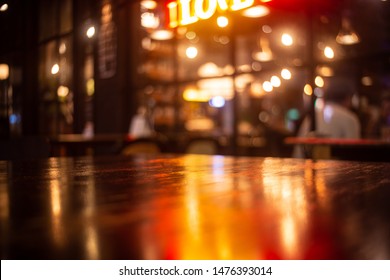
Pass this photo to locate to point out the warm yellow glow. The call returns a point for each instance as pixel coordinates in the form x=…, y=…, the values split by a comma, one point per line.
x=172, y=12
x=242, y=81
x=287, y=39
x=190, y=94
x=222, y=5
x=262, y=56
x=209, y=69
x=325, y=71
x=62, y=91
x=319, y=81
x=91, y=244
x=90, y=87
x=106, y=14
x=222, y=21
x=199, y=124
x=4, y=71
x=308, y=90
x=203, y=13
x=162, y=35
x=256, y=89
x=256, y=12
x=289, y=234
x=267, y=86
x=275, y=81
x=347, y=36
x=194, y=95
x=264, y=53
x=347, y=39
x=328, y=52
x=149, y=20
x=226, y=242
x=56, y=197
x=286, y=74
x=55, y=69
x=149, y=4
x=62, y=48
x=293, y=208
x=184, y=12
x=244, y=68
x=228, y=70
x=191, y=52
x=90, y=32
x=223, y=87
x=4, y=7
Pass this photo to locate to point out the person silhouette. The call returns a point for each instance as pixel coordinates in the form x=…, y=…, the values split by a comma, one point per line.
x=334, y=118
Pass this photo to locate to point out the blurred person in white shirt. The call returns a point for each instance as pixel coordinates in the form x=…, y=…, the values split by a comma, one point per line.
x=334, y=118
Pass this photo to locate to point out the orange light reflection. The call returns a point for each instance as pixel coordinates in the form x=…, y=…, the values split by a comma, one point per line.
x=288, y=198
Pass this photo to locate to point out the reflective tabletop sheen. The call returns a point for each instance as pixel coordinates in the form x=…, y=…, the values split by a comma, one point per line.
x=194, y=207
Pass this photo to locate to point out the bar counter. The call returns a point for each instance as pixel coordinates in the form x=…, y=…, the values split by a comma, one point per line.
x=194, y=207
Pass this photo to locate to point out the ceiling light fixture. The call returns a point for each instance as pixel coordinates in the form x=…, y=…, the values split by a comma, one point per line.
x=347, y=35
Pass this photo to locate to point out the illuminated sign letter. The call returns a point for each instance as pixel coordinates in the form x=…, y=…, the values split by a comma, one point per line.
x=241, y=4
x=172, y=8
x=223, y=5
x=184, y=12
x=210, y=10
x=185, y=16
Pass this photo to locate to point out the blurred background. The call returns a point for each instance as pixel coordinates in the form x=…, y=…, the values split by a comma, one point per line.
x=243, y=77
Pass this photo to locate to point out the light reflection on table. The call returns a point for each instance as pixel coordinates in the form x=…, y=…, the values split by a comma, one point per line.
x=194, y=207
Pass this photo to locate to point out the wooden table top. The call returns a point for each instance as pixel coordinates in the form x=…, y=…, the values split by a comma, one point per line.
x=194, y=207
